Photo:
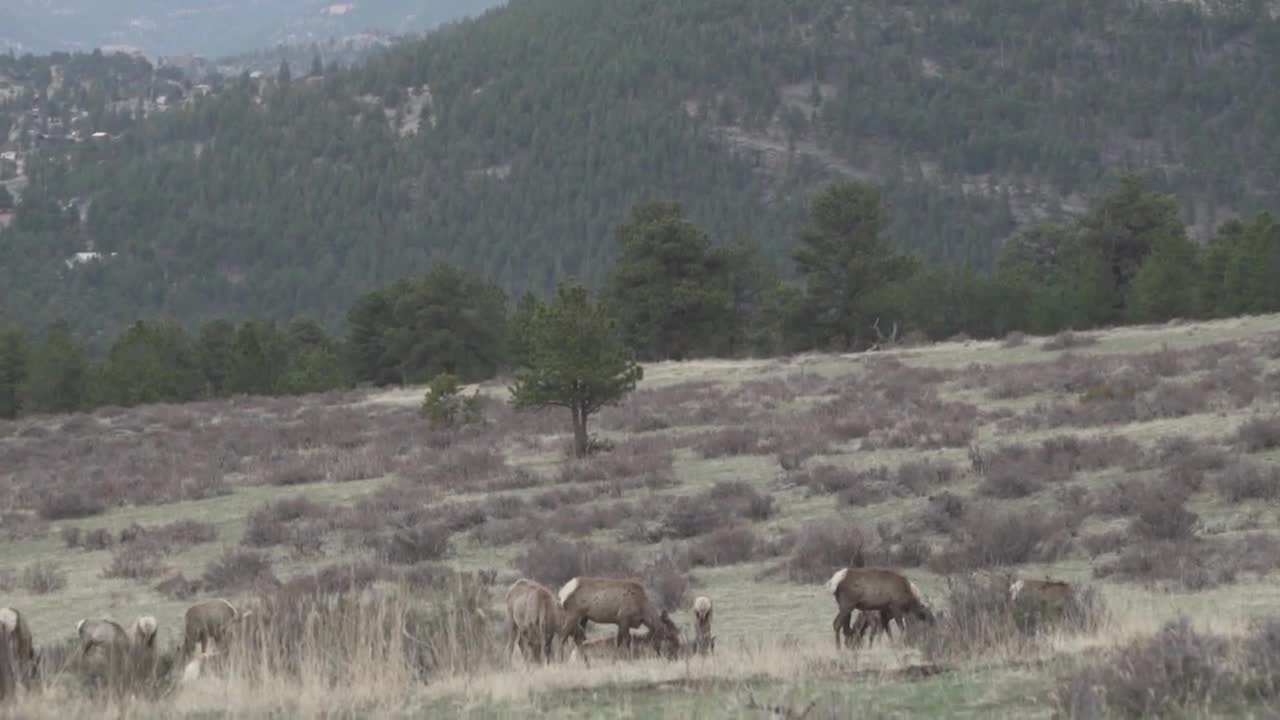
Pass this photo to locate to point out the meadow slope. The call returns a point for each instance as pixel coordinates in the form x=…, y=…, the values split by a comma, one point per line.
x=1141, y=461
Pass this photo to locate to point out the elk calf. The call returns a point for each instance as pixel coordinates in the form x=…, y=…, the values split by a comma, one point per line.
x=874, y=589
x=1049, y=596
x=703, y=641
x=534, y=616
x=101, y=633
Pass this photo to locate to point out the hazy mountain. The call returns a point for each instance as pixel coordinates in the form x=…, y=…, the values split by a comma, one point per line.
x=514, y=144
x=212, y=27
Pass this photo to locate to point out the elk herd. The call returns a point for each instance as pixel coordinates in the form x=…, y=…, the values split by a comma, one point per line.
x=541, y=622
x=206, y=625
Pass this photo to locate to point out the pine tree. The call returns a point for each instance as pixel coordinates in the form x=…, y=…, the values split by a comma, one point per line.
x=577, y=360
x=13, y=370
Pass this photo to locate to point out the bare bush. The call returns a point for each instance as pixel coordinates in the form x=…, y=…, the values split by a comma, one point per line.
x=724, y=546
x=821, y=547
x=741, y=499
x=1176, y=671
x=135, y=561
x=69, y=504
x=178, y=587
x=1014, y=339
x=1258, y=434
x=98, y=539
x=992, y=538
x=421, y=543
x=70, y=536
x=667, y=582
x=269, y=524
x=729, y=441
x=980, y=618
x=238, y=570
x=43, y=577
x=1067, y=340
x=1248, y=481
x=554, y=561
x=1164, y=516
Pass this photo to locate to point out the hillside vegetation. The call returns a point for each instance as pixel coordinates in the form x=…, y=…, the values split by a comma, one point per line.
x=1140, y=461
x=512, y=146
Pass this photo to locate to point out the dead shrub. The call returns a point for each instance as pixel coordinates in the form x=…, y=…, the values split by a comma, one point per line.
x=919, y=477
x=741, y=499
x=43, y=577
x=69, y=505
x=70, y=536
x=269, y=524
x=135, y=562
x=992, y=538
x=667, y=583
x=980, y=618
x=1248, y=481
x=554, y=561
x=98, y=539
x=238, y=570
x=1009, y=483
x=1102, y=543
x=1172, y=400
x=178, y=587
x=822, y=547
x=729, y=442
x=422, y=543
x=1164, y=516
x=1172, y=673
x=1067, y=340
x=1186, y=563
x=1258, y=434
x=724, y=546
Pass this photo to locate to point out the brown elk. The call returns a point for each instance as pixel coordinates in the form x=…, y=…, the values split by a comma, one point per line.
x=874, y=589
x=208, y=621
x=703, y=641
x=534, y=616
x=18, y=635
x=142, y=633
x=101, y=633
x=615, y=601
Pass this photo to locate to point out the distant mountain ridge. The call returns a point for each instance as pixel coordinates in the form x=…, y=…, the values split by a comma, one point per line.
x=212, y=27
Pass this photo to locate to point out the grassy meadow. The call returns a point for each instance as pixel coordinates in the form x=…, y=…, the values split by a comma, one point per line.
x=1142, y=463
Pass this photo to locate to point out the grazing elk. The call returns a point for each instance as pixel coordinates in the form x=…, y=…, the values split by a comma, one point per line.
x=101, y=633
x=878, y=589
x=142, y=633
x=206, y=621
x=18, y=635
x=703, y=641
x=615, y=601
x=534, y=616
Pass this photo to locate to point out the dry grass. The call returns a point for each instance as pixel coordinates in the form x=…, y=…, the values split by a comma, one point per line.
x=1141, y=460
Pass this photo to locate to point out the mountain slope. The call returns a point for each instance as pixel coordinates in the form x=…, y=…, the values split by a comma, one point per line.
x=513, y=145
x=211, y=27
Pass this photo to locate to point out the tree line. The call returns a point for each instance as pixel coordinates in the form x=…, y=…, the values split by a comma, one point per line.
x=675, y=292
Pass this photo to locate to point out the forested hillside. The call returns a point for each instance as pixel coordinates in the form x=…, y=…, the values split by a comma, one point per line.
x=513, y=146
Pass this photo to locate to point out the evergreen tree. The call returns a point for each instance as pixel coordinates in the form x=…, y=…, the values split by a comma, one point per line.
x=669, y=289
x=845, y=261
x=215, y=348
x=577, y=360
x=13, y=370
x=151, y=362
x=518, y=330
x=57, y=373
x=1166, y=285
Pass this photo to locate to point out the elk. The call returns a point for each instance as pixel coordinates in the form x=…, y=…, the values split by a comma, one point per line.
x=606, y=647
x=102, y=633
x=142, y=633
x=17, y=633
x=703, y=642
x=208, y=620
x=534, y=616
x=874, y=589
x=615, y=601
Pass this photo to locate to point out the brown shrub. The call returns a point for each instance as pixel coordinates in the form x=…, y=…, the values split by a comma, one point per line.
x=43, y=577
x=1105, y=542
x=178, y=587
x=422, y=543
x=98, y=539
x=1187, y=563
x=729, y=441
x=135, y=561
x=1068, y=339
x=992, y=538
x=823, y=546
x=1164, y=516
x=238, y=570
x=667, y=583
x=69, y=504
x=554, y=561
x=724, y=546
x=920, y=477
x=269, y=524
x=1175, y=672
x=1258, y=434
x=741, y=499
x=70, y=536
x=1172, y=400
x=1009, y=482
x=1248, y=481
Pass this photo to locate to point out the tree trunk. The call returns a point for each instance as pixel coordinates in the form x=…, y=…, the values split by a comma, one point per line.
x=579, y=433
